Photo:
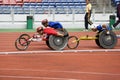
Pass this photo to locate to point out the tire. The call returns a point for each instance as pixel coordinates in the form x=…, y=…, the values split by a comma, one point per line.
x=97, y=41
x=26, y=36
x=19, y=45
x=57, y=42
x=47, y=43
x=107, y=41
x=72, y=42
x=22, y=39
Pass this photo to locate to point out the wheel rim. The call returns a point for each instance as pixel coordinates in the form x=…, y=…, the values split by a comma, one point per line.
x=20, y=46
x=72, y=42
x=58, y=41
x=107, y=41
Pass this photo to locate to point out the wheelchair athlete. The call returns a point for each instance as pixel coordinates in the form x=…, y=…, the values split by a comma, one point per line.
x=100, y=28
x=43, y=33
x=55, y=25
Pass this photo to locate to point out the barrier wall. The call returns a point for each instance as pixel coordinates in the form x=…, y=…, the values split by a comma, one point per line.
x=18, y=21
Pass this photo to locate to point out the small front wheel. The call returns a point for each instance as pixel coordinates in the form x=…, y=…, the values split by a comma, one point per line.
x=26, y=36
x=21, y=44
x=73, y=42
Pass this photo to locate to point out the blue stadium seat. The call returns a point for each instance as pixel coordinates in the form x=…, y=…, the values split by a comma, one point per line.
x=26, y=4
x=63, y=1
x=81, y=0
x=70, y=1
x=115, y=2
x=39, y=4
x=25, y=8
x=64, y=4
x=71, y=4
x=4, y=9
x=40, y=7
x=52, y=4
x=58, y=4
x=58, y=1
x=45, y=1
x=45, y=4
x=33, y=4
x=77, y=4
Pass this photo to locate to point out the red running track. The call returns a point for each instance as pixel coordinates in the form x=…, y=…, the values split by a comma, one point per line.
x=58, y=65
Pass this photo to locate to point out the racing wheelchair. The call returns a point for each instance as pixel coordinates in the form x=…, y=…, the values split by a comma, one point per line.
x=52, y=41
x=102, y=39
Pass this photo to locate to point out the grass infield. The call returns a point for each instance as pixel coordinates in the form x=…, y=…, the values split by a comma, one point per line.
x=33, y=30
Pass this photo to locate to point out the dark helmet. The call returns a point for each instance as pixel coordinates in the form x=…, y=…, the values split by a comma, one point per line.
x=39, y=29
x=44, y=21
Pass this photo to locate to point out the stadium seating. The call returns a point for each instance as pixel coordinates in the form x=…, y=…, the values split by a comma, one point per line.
x=43, y=6
x=115, y=2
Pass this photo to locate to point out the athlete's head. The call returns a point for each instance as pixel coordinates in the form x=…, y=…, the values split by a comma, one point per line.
x=45, y=22
x=104, y=26
x=40, y=30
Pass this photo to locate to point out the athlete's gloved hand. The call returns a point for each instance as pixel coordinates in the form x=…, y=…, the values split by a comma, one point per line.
x=107, y=32
x=66, y=35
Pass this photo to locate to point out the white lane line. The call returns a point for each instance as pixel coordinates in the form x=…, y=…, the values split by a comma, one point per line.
x=57, y=71
x=33, y=77
x=63, y=51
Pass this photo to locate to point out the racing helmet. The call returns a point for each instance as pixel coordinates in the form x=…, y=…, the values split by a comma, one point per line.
x=39, y=29
x=44, y=21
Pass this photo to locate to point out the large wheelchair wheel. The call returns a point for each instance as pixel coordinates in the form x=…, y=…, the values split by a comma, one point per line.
x=47, y=42
x=72, y=42
x=107, y=41
x=57, y=42
x=97, y=40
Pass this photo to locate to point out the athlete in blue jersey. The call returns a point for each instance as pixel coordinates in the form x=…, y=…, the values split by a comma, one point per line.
x=55, y=25
x=100, y=27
